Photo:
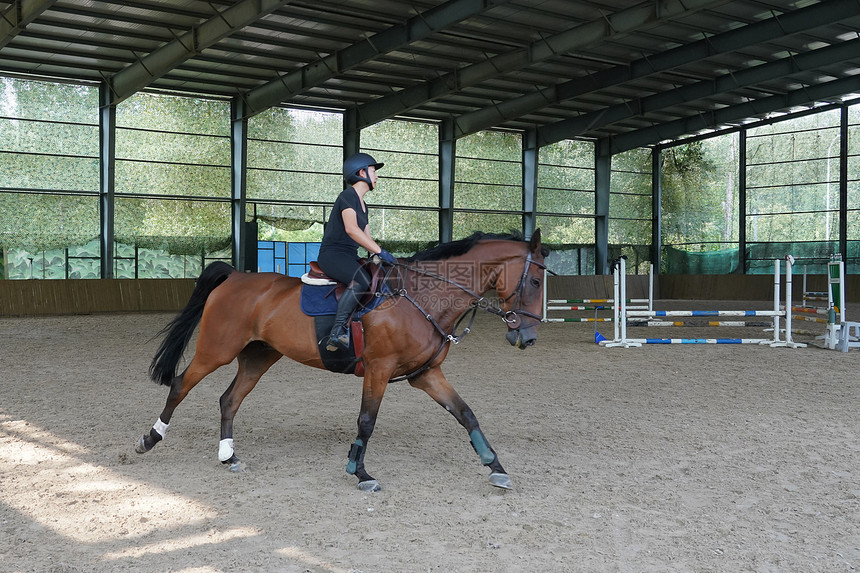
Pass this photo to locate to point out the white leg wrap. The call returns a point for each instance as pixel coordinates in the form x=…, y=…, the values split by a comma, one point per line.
x=225, y=449
x=160, y=427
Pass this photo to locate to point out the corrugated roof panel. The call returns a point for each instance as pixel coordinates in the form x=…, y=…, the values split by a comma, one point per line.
x=94, y=39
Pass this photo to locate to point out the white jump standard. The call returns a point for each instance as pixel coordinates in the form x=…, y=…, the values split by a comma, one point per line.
x=832, y=315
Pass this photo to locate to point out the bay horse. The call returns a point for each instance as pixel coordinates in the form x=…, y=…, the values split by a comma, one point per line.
x=256, y=318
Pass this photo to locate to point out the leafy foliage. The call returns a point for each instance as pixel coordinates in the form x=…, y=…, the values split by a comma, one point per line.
x=172, y=206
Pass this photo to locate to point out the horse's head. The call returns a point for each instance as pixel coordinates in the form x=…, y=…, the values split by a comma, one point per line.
x=522, y=294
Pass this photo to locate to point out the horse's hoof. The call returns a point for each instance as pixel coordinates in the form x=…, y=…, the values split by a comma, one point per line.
x=370, y=485
x=500, y=480
x=238, y=467
x=141, y=445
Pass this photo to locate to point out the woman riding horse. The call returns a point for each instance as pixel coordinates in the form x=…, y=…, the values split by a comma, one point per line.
x=255, y=318
x=347, y=229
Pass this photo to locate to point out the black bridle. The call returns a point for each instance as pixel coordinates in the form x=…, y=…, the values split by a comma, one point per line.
x=512, y=316
x=509, y=317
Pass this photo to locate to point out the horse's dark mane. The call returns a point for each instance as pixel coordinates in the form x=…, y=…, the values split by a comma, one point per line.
x=460, y=247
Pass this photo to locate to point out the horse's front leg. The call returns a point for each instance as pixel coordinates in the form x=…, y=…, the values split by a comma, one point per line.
x=437, y=386
x=371, y=397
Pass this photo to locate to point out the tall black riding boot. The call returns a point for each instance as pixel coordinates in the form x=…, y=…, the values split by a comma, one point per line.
x=338, y=339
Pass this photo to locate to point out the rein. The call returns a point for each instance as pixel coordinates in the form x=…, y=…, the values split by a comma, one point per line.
x=508, y=317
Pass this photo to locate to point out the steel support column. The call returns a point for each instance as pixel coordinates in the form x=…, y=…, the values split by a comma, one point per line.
x=602, y=169
x=843, y=184
x=742, y=202
x=107, y=162
x=238, y=170
x=656, y=208
x=531, y=152
x=447, y=153
x=351, y=133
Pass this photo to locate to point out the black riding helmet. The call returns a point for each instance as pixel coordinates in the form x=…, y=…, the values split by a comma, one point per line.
x=354, y=164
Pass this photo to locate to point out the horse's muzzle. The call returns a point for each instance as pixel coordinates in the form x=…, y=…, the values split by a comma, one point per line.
x=522, y=338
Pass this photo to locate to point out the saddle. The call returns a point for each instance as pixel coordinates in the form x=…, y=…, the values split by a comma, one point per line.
x=319, y=297
x=317, y=277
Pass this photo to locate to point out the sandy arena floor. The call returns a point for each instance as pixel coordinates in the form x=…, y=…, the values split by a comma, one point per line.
x=654, y=459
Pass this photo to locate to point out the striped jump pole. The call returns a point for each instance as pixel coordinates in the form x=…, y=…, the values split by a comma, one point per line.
x=704, y=313
x=809, y=310
x=582, y=300
x=579, y=319
x=720, y=323
x=578, y=304
x=811, y=319
x=622, y=313
x=701, y=340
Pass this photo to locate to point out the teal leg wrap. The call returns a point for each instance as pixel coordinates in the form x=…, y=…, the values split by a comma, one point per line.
x=481, y=446
x=355, y=452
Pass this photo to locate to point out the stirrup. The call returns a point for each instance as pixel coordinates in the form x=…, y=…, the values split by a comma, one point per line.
x=339, y=342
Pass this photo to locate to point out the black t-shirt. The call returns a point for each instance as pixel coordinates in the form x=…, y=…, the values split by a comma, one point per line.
x=335, y=236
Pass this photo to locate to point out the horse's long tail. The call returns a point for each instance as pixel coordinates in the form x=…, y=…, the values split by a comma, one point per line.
x=179, y=330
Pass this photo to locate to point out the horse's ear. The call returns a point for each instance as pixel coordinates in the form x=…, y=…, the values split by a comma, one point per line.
x=534, y=245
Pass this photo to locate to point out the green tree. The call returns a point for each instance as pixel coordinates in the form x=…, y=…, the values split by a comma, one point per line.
x=692, y=213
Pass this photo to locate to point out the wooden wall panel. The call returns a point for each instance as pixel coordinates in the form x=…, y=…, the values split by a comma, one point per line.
x=44, y=297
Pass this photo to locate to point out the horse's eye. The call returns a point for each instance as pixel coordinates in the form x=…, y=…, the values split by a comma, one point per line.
x=535, y=282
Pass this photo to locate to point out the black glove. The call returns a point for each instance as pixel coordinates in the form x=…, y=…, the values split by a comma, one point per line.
x=386, y=257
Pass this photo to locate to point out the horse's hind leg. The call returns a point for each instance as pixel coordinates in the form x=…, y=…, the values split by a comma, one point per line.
x=179, y=389
x=254, y=361
x=437, y=387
